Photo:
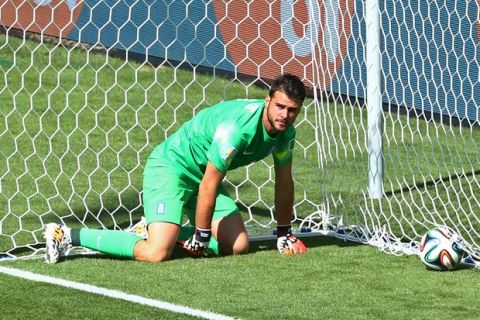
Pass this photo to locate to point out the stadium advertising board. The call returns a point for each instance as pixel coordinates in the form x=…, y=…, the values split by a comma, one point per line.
x=51, y=17
x=429, y=57
x=303, y=37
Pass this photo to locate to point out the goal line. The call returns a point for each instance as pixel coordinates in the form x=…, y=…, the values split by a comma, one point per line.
x=112, y=294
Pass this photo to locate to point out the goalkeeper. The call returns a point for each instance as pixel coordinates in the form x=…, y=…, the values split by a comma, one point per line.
x=184, y=175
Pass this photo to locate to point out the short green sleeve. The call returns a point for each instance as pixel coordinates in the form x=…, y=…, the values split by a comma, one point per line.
x=283, y=154
x=225, y=145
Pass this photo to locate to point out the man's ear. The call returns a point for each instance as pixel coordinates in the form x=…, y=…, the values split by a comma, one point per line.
x=267, y=100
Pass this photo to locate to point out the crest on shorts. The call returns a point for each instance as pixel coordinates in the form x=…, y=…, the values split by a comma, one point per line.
x=161, y=208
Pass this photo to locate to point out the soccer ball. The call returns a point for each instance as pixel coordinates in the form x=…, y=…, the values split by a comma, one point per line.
x=439, y=249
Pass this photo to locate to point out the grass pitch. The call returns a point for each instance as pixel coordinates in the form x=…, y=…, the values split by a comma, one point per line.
x=334, y=280
x=75, y=131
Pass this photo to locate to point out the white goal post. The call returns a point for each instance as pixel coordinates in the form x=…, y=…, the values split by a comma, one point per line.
x=387, y=143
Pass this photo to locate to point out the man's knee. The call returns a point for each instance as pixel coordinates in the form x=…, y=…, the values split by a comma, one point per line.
x=148, y=252
x=239, y=246
x=231, y=235
x=161, y=241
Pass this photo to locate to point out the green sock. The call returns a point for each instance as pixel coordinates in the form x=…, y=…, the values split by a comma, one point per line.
x=121, y=243
x=112, y=242
x=187, y=232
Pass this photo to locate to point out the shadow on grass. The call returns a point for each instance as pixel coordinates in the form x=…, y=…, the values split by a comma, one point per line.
x=255, y=246
x=178, y=253
x=310, y=242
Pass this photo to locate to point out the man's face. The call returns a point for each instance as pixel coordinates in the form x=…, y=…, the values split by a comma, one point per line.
x=280, y=112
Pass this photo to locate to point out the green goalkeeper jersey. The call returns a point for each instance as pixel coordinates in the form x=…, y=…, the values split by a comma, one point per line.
x=229, y=134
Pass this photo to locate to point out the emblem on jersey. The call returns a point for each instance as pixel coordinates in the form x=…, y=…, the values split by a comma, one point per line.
x=227, y=152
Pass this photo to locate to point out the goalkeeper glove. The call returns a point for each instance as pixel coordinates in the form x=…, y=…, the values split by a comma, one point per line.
x=198, y=243
x=287, y=243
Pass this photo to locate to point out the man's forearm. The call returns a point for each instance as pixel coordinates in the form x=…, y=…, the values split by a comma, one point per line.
x=207, y=195
x=284, y=195
x=205, y=206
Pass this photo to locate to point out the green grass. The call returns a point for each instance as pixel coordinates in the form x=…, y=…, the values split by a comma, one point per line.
x=334, y=280
x=24, y=302
x=76, y=129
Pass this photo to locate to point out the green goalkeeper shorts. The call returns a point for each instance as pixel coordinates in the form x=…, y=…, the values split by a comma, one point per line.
x=166, y=197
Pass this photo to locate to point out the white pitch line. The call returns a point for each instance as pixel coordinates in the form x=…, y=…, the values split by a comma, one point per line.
x=113, y=294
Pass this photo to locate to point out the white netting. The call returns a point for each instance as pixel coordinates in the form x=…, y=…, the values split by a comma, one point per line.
x=88, y=88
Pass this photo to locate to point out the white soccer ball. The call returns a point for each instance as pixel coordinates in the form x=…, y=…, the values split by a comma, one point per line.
x=439, y=249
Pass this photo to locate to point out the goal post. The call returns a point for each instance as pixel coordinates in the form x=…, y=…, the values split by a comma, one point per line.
x=88, y=89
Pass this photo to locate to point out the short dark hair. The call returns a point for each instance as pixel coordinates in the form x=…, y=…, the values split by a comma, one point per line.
x=291, y=85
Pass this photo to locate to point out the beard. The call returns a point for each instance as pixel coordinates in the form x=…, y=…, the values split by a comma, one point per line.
x=277, y=124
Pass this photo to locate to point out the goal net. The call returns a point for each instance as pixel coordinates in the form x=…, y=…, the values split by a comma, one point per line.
x=89, y=88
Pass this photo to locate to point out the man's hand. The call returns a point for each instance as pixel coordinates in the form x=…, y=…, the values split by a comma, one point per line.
x=287, y=243
x=198, y=243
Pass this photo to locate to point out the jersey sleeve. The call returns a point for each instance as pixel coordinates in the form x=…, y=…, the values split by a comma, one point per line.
x=283, y=154
x=225, y=145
